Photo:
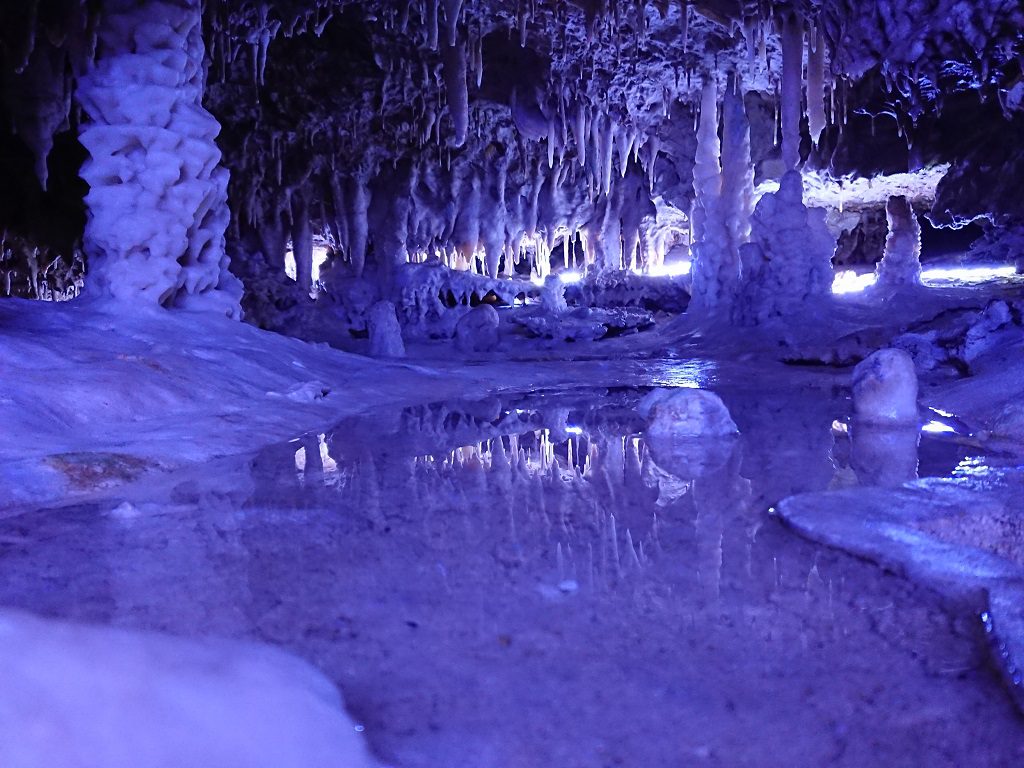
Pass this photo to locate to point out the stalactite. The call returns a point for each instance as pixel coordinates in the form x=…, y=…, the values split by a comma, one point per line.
x=815, y=82
x=432, y=23
x=339, y=215
x=625, y=147
x=707, y=170
x=273, y=239
x=457, y=89
x=608, y=132
x=552, y=143
x=302, y=240
x=452, y=9
x=358, y=222
x=652, y=160
x=792, y=76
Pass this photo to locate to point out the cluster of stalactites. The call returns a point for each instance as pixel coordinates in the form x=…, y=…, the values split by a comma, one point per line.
x=44, y=52
x=480, y=229
x=802, y=87
x=485, y=208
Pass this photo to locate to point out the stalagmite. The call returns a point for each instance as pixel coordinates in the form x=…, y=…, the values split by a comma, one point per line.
x=901, y=260
x=477, y=330
x=610, y=240
x=725, y=206
x=885, y=388
x=158, y=197
x=385, y=332
x=737, y=168
x=787, y=264
x=792, y=76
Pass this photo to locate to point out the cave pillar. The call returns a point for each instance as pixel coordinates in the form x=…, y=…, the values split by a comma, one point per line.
x=157, y=205
x=901, y=260
x=726, y=204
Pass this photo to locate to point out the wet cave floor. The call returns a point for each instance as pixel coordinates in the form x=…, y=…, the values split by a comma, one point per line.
x=523, y=580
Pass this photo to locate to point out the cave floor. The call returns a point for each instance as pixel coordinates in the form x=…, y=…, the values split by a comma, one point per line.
x=519, y=579
x=492, y=563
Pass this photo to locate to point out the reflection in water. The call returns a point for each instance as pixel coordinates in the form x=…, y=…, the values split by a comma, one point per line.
x=531, y=581
x=884, y=455
x=695, y=374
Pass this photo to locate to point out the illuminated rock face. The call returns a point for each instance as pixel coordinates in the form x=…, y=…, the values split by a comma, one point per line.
x=158, y=196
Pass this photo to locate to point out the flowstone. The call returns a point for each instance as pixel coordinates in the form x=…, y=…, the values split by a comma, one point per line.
x=157, y=200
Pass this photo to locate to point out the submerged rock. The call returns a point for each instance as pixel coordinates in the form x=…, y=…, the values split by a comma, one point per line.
x=689, y=431
x=687, y=413
x=885, y=388
x=885, y=454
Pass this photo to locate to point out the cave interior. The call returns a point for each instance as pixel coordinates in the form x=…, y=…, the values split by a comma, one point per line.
x=498, y=383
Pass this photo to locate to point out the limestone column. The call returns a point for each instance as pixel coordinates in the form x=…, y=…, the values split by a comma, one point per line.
x=901, y=260
x=157, y=205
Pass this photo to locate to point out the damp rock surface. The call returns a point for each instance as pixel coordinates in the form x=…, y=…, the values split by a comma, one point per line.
x=885, y=388
x=78, y=696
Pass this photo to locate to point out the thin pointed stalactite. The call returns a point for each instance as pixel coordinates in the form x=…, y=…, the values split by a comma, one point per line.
x=792, y=78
